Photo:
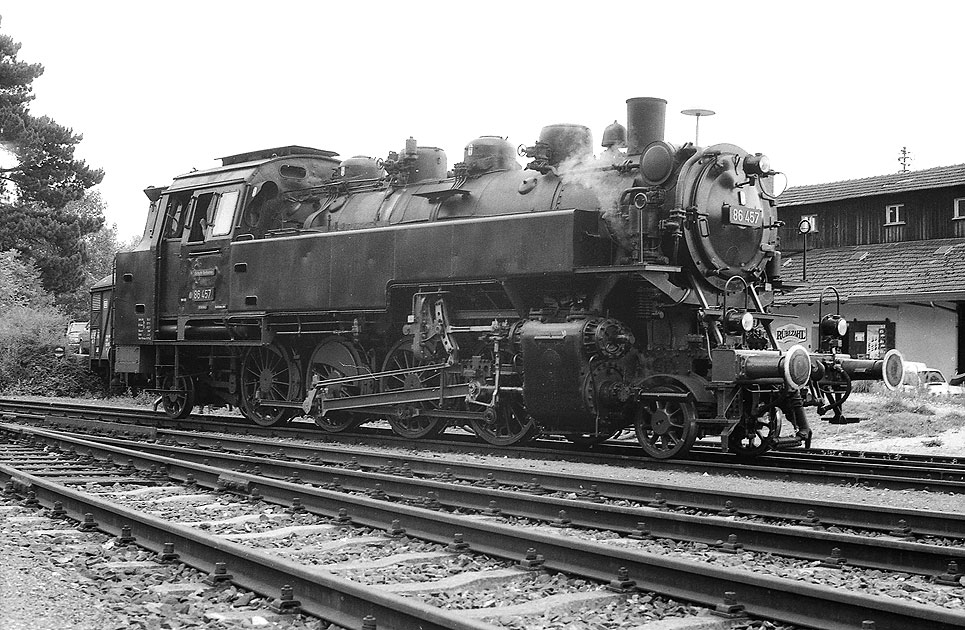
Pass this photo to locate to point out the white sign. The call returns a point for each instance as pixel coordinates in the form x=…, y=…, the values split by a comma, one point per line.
x=789, y=335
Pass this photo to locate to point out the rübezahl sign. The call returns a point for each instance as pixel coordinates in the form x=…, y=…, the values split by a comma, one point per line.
x=789, y=335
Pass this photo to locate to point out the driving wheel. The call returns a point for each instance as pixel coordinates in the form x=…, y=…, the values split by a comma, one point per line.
x=505, y=424
x=407, y=422
x=335, y=358
x=269, y=374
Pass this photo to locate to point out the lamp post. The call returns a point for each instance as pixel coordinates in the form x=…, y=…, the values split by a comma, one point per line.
x=804, y=227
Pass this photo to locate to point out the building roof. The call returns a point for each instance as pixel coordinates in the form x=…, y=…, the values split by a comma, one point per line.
x=885, y=273
x=938, y=177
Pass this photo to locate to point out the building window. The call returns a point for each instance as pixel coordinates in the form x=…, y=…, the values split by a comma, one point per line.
x=894, y=214
x=958, y=208
x=808, y=224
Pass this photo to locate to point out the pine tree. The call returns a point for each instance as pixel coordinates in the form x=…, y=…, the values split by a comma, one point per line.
x=50, y=217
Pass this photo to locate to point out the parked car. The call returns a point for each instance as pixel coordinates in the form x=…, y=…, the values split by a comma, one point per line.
x=78, y=337
x=920, y=377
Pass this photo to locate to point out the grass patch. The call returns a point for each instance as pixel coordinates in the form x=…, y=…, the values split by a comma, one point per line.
x=899, y=404
x=906, y=414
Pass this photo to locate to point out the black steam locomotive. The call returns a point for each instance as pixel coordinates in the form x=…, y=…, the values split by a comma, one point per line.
x=578, y=296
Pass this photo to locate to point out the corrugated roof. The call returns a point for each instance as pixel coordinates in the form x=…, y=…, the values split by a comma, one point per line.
x=913, y=271
x=938, y=177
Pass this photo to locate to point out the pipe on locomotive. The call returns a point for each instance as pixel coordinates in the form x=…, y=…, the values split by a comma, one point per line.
x=888, y=369
x=646, y=122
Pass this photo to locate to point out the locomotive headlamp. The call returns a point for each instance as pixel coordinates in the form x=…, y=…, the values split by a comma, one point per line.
x=747, y=322
x=834, y=326
x=737, y=321
x=757, y=164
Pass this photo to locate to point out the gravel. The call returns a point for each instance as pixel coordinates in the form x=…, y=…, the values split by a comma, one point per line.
x=62, y=581
x=63, y=569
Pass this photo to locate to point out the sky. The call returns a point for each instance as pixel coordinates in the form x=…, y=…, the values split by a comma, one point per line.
x=828, y=90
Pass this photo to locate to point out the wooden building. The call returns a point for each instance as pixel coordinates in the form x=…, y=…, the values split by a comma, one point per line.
x=894, y=248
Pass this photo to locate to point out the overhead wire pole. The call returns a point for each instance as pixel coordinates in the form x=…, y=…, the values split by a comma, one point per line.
x=697, y=113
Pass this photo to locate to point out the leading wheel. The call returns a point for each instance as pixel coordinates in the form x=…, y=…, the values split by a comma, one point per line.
x=335, y=358
x=756, y=435
x=666, y=428
x=179, y=400
x=268, y=374
x=408, y=423
x=506, y=424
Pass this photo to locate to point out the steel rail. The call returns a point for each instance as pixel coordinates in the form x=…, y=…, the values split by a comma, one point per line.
x=882, y=518
x=337, y=600
x=922, y=470
x=883, y=470
x=873, y=474
x=811, y=543
x=766, y=596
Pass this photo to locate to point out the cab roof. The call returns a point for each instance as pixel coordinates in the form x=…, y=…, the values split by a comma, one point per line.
x=265, y=154
x=243, y=166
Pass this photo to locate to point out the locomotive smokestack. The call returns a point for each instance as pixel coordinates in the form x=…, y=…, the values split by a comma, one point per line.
x=646, y=117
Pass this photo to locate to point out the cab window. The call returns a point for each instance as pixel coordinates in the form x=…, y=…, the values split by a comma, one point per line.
x=213, y=215
x=200, y=219
x=224, y=212
x=175, y=215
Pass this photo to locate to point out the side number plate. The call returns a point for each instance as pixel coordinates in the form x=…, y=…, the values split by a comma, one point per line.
x=202, y=295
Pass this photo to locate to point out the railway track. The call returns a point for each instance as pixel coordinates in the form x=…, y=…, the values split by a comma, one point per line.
x=879, y=470
x=621, y=507
x=250, y=568
x=574, y=546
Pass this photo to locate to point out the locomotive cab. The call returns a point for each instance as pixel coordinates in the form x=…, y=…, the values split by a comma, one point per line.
x=175, y=286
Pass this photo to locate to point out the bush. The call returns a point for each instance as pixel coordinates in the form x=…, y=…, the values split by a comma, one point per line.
x=28, y=363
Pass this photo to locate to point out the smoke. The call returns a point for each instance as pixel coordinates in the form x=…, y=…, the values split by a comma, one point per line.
x=597, y=175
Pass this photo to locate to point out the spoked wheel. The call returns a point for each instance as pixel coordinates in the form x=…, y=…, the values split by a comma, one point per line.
x=506, y=424
x=269, y=374
x=755, y=436
x=407, y=422
x=666, y=428
x=336, y=358
x=177, y=404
